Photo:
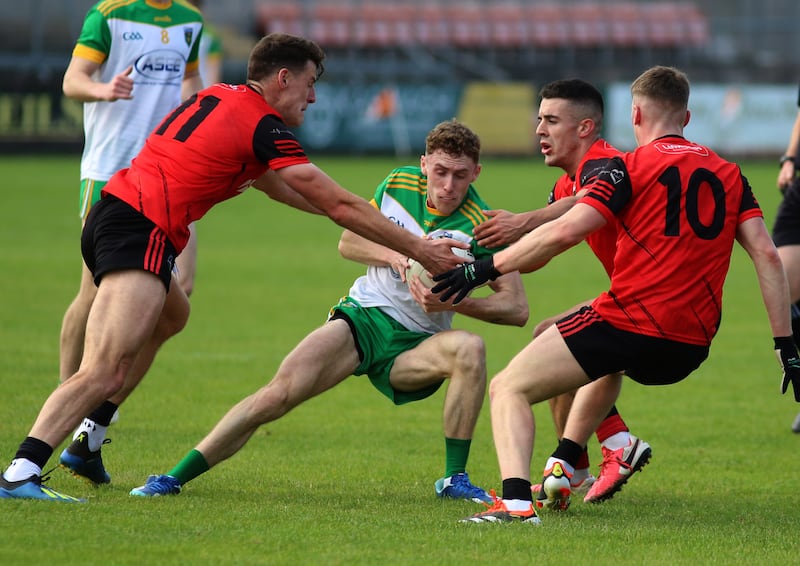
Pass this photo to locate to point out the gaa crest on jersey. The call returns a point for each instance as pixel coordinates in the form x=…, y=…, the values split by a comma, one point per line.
x=188, y=35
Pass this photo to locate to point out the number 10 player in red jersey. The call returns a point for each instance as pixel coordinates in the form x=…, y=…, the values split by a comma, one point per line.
x=680, y=207
x=215, y=145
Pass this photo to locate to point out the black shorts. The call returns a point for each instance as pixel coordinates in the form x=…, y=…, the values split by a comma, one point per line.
x=116, y=236
x=602, y=349
x=786, y=230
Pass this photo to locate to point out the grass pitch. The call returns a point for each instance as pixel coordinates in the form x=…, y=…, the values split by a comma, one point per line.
x=347, y=478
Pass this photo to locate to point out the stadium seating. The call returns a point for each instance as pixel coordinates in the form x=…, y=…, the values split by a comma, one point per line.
x=628, y=27
x=507, y=30
x=286, y=17
x=384, y=24
x=502, y=24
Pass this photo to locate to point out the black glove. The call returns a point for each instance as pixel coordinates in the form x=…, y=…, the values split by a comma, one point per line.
x=465, y=278
x=790, y=362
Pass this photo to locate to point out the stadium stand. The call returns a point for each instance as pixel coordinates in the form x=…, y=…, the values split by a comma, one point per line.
x=491, y=40
x=389, y=24
x=286, y=17
x=507, y=30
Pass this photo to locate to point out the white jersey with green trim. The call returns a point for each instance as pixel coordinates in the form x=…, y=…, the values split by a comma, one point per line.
x=402, y=198
x=161, y=43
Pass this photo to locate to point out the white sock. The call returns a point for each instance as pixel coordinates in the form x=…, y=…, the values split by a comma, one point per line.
x=95, y=434
x=551, y=461
x=579, y=475
x=21, y=469
x=517, y=504
x=618, y=440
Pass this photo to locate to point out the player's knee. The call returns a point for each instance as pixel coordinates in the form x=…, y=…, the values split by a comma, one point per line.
x=470, y=355
x=499, y=386
x=270, y=403
x=100, y=383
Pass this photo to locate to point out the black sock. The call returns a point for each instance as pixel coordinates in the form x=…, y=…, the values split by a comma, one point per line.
x=568, y=451
x=103, y=414
x=35, y=450
x=517, y=488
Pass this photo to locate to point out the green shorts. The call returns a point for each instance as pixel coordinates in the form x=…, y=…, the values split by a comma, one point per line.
x=380, y=339
x=90, y=194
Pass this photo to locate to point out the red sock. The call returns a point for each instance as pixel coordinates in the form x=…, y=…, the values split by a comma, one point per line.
x=610, y=426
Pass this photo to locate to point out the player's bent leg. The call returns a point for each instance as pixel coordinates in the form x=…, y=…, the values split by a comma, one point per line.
x=560, y=406
x=73, y=326
x=171, y=320
x=543, y=369
x=461, y=357
x=458, y=356
x=186, y=262
x=323, y=359
x=581, y=479
x=79, y=458
x=116, y=331
x=592, y=404
x=790, y=257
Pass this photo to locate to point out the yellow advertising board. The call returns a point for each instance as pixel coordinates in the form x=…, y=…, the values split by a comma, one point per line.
x=502, y=114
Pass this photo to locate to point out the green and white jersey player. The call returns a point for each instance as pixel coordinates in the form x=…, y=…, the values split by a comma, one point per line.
x=133, y=63
x=394, y=331
x=403, y=197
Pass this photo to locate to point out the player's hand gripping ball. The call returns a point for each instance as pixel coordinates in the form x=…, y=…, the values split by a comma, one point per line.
x=415, y=268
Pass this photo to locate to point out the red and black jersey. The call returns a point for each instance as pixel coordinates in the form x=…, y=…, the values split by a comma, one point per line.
x=209, y=149
x=603, y=241
x=678, y=206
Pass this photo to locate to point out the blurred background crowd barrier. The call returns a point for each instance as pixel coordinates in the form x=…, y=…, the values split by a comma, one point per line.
x=395, y=68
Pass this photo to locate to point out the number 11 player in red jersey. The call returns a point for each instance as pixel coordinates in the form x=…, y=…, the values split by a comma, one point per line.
x=680, y=208
x=218, y=143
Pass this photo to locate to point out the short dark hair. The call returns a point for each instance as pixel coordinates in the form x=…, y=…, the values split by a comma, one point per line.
x=578, y=92
x=282, y=50
x=455, y=139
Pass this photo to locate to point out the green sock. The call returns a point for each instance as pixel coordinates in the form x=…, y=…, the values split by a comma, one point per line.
x=456, y=454
x=192, y=465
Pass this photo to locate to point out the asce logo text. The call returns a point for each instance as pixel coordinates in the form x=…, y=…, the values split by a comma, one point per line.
x=160, y=64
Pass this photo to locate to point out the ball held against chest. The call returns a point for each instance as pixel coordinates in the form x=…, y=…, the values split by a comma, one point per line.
x=415, y=268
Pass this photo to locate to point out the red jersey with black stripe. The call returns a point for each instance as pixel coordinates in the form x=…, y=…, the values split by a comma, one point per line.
x=678, y=206
x=209, y=149
x=603, y=241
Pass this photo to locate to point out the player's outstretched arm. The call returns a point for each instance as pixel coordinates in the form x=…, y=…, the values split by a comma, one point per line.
x=504, y=228
x=355, y=213
x=752, y=234
x=361, y=250
x=275, y=188
x=754, y=237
